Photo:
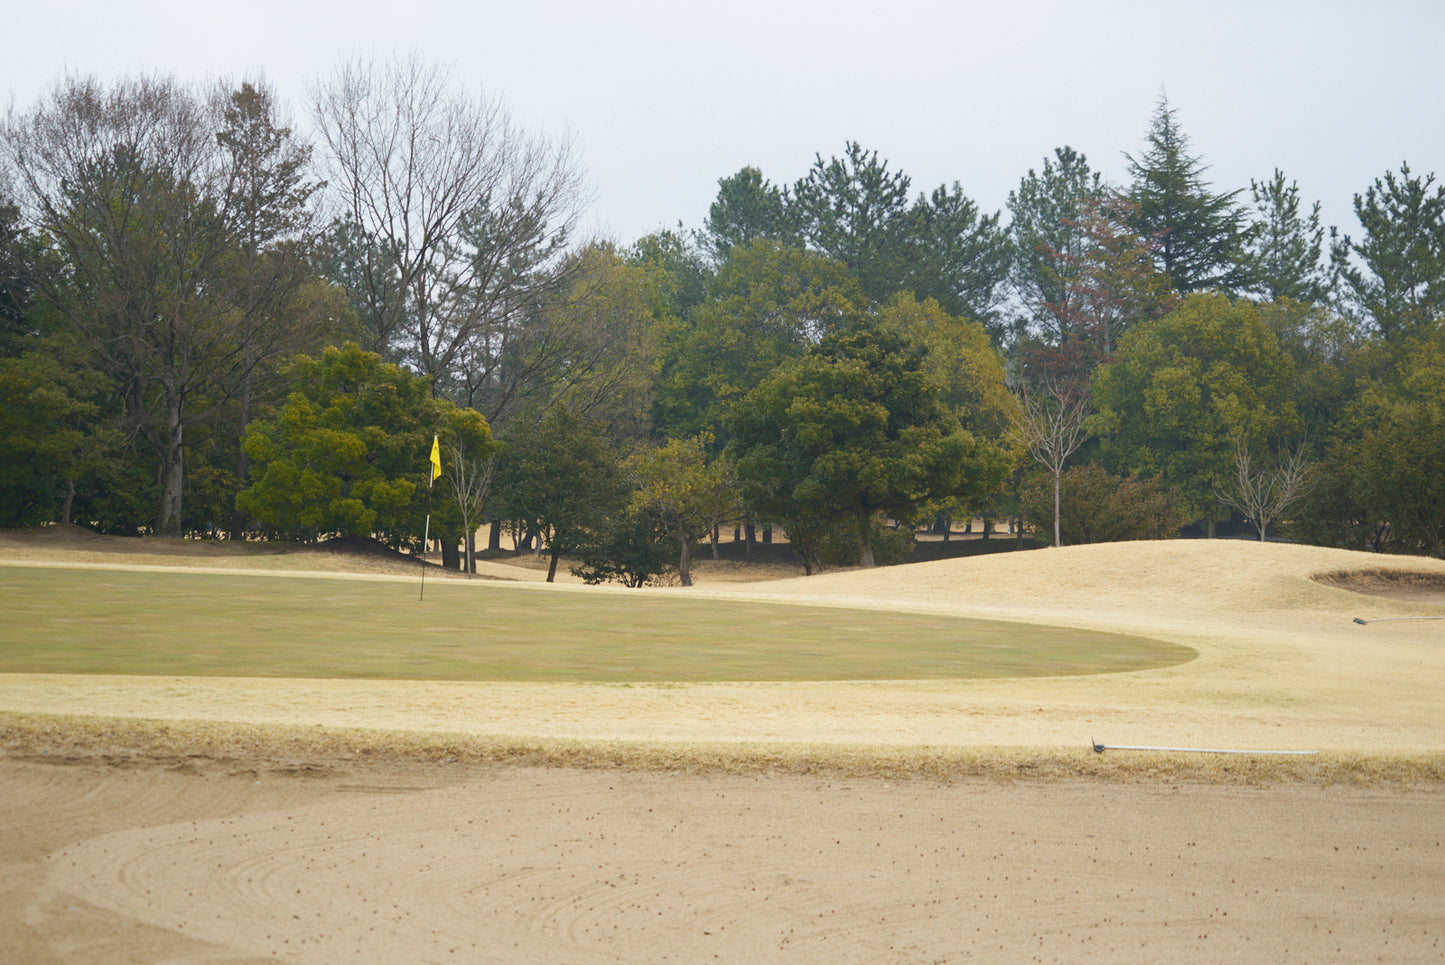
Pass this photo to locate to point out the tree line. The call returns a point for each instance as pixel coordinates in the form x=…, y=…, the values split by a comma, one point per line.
x=211, y=325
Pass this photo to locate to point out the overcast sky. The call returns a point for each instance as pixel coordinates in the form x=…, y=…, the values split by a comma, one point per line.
x=664, y=97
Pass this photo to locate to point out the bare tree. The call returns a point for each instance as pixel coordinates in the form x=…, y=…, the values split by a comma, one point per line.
x=460, y=220
x=1051, y=426
x=471, y=480
x=1264, y=492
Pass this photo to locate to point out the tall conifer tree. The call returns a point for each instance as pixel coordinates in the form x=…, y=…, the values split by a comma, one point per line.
x=1200, y=234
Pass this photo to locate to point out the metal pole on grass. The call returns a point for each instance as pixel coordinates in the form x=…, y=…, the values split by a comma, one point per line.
x=424, y=539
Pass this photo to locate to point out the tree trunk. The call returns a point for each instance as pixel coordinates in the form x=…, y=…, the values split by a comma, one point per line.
x=173, y=473
x=1057, y=541
x=684, y=563
x=494, y=537
x=865, y=546
x=714, y=540
x=451, y=556
x=552, y=566
x=751, y=534
x=767, y=535
x=243, y=466
x=472, y=553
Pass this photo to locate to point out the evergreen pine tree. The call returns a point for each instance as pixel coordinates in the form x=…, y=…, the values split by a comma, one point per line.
x=1201, y=235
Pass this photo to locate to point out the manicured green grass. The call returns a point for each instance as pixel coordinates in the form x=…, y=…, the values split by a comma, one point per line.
x=202, y=624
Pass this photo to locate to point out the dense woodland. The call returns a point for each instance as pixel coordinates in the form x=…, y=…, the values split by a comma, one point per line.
x=213, y=326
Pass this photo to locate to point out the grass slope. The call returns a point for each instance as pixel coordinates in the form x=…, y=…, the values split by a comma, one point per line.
x=201, y=624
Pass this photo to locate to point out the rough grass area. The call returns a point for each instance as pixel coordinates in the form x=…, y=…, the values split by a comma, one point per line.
x=205, y=624
x=199, y=745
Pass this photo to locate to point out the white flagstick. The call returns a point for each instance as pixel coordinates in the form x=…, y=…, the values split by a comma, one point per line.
x=424, y=540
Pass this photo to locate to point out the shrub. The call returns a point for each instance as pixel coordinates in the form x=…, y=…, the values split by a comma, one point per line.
x=1096, y=507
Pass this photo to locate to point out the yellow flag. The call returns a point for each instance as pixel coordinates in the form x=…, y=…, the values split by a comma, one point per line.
x=436, y=460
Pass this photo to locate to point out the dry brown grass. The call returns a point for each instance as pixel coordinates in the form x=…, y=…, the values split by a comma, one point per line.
x=1281, y=666
x=127, y=742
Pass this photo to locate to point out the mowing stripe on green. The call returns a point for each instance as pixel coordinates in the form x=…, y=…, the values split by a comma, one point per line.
x=233, y=625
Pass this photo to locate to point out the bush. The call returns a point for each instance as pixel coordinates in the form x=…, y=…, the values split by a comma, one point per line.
x=1096, y=507
x=827, y=545
x=634, y=549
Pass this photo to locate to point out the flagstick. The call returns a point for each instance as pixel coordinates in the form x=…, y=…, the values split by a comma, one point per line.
x=433, y=471
x=424, y=540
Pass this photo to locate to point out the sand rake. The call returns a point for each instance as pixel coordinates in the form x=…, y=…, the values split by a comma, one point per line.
x=1101, y=748
x=1362, y=622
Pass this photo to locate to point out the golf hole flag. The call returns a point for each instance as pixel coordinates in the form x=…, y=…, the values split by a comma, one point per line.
x=436, y=460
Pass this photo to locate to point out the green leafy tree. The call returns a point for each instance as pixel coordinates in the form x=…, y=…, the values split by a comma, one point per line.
x=51, y=436
x=1201, y=235
x=561, y=480
x=852, y=430
x=1181, y=387
x=767, y=304
x=633, y=547
x=1382, y=487
x=962, y=361
x=347, y=452
x=1286, y=250
x=126, y=183
x=1394, y=276
x=690, y=494
x=677, y=273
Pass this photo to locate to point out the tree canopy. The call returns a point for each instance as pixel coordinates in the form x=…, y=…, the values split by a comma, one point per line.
x=347, y=452
x=854, y=429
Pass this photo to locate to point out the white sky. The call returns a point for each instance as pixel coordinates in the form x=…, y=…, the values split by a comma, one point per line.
x=664, y=97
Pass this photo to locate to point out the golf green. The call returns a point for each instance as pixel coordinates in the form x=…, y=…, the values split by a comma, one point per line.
x=226, y=624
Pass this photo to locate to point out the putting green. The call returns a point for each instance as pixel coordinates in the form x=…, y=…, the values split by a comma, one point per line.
x=230, y=625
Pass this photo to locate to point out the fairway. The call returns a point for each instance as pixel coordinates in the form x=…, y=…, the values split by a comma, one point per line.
x=231, y=625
